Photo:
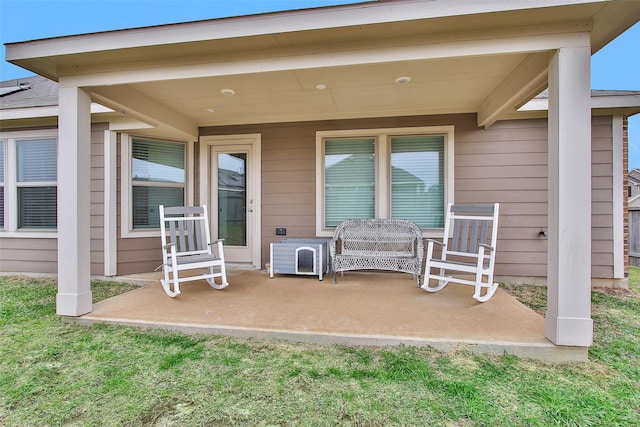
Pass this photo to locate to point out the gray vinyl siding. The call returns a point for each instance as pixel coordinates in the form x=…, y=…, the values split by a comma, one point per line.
x=506, y=163
x=97, y=199
x=602, y=197
x=134, y=255
x=28, y=255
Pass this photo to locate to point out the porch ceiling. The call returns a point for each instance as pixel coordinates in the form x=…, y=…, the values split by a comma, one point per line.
x=452, y=85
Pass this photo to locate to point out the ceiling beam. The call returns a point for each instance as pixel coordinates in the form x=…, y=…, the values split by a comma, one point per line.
x=526, y=81
x=133, y=103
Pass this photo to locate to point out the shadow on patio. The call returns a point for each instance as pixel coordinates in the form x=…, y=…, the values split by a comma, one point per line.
x=363, y=308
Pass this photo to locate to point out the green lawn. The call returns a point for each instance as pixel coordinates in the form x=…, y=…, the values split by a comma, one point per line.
x=56, y=373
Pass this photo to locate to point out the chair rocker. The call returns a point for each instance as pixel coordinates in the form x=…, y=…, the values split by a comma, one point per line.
x=186, y=245
x=469, y=252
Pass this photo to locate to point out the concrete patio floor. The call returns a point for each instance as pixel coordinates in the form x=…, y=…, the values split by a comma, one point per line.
x=363, y=308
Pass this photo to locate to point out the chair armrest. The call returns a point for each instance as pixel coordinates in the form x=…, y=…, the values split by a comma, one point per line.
x=215, y=242
x=436, y=242
x=169, y=245
x=491, y=248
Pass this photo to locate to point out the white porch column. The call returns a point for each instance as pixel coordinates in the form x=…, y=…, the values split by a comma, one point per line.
x=74, y=137
x=568, y=318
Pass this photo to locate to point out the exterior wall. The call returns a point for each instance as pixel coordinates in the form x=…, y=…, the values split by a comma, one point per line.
x=97, y=198
x=134, y=255
x=28, y=255
x=506, y=163
x=601, y=198
x=21, y=254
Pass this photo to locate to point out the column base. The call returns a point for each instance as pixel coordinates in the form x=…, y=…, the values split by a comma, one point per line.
x=569, y=331
x=74, y=304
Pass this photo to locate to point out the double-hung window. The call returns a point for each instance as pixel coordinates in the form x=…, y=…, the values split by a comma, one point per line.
x=404, y=173
x=28, y=184
x=37, y=192
x=157, y=175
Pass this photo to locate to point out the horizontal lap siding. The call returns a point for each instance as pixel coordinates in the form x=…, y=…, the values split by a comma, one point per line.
x=139, y=255
x=134, y=255
x=27, y=255
x=602, y=198
x=97, y=199
x=506, y=163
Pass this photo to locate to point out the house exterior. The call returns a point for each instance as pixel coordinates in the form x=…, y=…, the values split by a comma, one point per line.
x=634, y=186
x=301, y=119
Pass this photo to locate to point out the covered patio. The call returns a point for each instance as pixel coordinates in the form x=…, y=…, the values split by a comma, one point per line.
x=363, y=308
x=274, y=88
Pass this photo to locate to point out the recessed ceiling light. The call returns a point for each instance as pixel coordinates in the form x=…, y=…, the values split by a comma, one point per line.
x=228, y=92
x=211, y=110
x=403, y=80
x=321, y=86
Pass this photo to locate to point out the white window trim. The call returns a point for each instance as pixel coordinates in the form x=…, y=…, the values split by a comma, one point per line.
x=11, y=229
x=383, y=190
x=126, y=214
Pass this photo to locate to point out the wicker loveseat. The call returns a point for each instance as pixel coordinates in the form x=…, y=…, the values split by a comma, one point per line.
x=377, y=244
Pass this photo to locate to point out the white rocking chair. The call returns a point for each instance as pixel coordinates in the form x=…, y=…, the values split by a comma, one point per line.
x=186, y=245
x=469, y=251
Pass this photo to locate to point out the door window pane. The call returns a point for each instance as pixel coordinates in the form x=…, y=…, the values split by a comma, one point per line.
x=232, y=198
x=417, y=179
x=349, y=186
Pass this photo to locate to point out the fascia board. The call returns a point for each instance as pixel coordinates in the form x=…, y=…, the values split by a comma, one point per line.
x=271, y=23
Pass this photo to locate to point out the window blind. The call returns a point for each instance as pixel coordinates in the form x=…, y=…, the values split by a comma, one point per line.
x=417, y=179
x=146, y=200
x=157, y=161
x=1, y=162
x=349, y=179
x=37, y=207
x=36, y=162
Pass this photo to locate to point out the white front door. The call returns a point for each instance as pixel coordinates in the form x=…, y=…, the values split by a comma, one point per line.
x=234, y=196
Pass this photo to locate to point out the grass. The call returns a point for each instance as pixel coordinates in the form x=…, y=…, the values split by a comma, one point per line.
x=55, y=373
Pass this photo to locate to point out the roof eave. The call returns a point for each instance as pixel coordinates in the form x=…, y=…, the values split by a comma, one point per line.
x=38, y=56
